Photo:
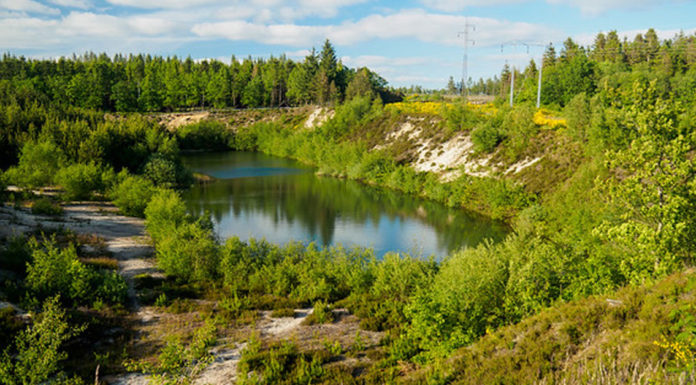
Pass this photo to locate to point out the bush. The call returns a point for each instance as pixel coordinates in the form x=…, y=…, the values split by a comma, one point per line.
x=164, y=213
x=39, y=162
x=467, y=297
x=189, y=252
x=486, y=138
x=321, y=314
x=161, y=171
x=132, y=195
x=45, y=206
x=54, y=271
x=79, y=180
x=205, y=135
x=15, y=254
x=38, y=349
x=352, y=114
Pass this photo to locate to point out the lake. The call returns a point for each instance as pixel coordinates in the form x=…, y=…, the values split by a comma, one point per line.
x=259, y=196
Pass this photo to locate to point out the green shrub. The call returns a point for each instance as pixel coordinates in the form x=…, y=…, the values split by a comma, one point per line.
x=45, y=206
x=54, y=271
x=351, y=115
x=38, y=349
x=466, y=297
x=79, y=180
x=15, y=254
x=321, y=314
x=189, y=252
x=132, y=195
x=161, y=171
x=109, y=287
x=486, y=138
x=578, y=114
x=459, y=117
x=164, y=213
x=246, y=138
x=205, y=135
x=39, y=163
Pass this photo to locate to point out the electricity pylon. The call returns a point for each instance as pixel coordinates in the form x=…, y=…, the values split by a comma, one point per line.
x=465, y=60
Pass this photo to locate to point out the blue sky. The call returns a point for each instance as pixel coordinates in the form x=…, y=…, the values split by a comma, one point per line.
x=407, y=42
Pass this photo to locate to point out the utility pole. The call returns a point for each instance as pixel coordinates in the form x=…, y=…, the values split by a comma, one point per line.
x=512, y=85
x=465, y=60
x=541, y=66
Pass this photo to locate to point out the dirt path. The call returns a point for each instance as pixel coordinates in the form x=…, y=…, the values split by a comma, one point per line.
x=125, y=239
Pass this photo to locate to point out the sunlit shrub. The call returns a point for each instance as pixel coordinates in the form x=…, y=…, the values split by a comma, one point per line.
x=132, y=195
x=45, y=206
x=79, y=180
x=38, y=165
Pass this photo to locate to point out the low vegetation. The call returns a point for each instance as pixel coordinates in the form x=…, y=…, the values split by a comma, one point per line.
x=594, y=284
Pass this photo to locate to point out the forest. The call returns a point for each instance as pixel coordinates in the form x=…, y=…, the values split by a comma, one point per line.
x=596, y=273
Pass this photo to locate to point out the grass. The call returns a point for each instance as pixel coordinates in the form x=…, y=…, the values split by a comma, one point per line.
x=281, y=313
x=606, y=339
x=101, y=262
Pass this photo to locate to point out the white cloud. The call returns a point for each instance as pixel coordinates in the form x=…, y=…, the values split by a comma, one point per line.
x=257, y=10
x=81, y=4
x=164, y=4
x=588, y=7
x=432, y=28
x=29, y=6
x=299, y=54
x=373, y=61
x=88, y=31
x=459, y=5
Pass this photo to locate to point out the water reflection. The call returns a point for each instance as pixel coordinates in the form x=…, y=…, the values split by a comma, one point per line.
x=280, y=200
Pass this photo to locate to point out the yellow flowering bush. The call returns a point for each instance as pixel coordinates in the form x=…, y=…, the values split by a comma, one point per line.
x=683, y=353
x=436, y=108
x=543, y=117
x=424, y=108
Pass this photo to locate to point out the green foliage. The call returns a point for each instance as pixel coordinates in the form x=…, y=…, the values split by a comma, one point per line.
x=178, y=362
x=161, y=171
x=354, y=113
x=38, y=354
x=205, y=135
x=185, y=248
x=560, y=344
x=45, y=206
x=14, y=254
x=652, y=184
x=190, y=252
x=281, y=363
x=459, y=117
x=79, y=181
x=578, y=115
x=486, y=138
x=132, y=195
x=38, y=165
x=465, y=299
x=321, y=314
x=53, y=271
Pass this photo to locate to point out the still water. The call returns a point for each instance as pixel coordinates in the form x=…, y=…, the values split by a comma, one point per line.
x=258, y=196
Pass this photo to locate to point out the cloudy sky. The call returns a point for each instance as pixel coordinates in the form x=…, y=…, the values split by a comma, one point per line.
x=406, y=41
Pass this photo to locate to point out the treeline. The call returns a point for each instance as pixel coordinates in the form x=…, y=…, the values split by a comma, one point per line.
x=576, y=69
x=147, y=83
